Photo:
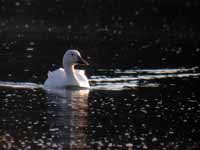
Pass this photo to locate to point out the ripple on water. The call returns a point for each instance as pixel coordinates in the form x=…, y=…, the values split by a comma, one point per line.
x=130, y=79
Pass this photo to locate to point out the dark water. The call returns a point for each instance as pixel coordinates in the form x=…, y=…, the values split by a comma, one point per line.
x=125, y=109
x=130, y=109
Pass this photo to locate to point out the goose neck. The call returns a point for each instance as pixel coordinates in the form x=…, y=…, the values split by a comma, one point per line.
x=69, y=70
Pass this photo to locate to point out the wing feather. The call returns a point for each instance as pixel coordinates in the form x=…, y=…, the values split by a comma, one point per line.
x=56, y=78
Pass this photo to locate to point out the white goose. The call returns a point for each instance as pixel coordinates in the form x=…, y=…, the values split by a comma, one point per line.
x=68, y=76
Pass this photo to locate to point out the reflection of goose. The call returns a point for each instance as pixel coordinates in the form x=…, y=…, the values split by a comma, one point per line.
x=68, y=76
x=71, y=117
x=78, y=121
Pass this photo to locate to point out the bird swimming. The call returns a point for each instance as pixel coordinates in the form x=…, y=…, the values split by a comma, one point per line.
x=68, y=76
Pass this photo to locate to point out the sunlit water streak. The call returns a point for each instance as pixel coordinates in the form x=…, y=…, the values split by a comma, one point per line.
x=157, y=71
x=20, y=85
x=123, y=79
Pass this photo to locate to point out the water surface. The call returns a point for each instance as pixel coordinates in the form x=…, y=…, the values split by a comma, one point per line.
x=124, y=109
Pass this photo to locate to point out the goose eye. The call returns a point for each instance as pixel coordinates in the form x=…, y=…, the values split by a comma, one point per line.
x=72, y=54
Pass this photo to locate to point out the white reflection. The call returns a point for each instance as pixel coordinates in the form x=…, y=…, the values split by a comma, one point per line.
x=71, y=111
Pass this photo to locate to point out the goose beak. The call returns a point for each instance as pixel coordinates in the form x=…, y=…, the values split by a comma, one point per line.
x=82, y=61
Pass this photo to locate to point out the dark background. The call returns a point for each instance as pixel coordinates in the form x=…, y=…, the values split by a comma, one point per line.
x=34, y=34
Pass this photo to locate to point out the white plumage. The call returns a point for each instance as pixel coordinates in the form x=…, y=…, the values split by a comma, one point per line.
x=68, y=76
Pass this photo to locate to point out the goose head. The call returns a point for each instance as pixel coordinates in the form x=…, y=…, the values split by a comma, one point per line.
x=73, y=57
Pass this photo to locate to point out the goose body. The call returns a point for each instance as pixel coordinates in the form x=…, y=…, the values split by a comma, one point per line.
x=68, y=76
